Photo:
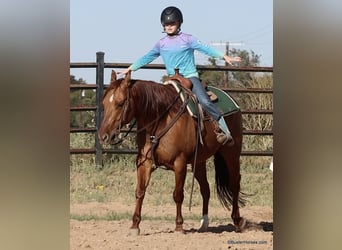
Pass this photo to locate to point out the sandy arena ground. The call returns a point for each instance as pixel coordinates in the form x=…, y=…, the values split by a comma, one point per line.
x=159, y=234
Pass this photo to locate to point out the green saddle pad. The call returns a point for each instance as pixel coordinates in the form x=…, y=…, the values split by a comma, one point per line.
x=224, y=102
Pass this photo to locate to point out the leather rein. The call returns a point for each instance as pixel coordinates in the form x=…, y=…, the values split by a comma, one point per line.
x=154, y=138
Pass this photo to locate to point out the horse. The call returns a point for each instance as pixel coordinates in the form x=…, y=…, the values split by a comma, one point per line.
x=167, y=135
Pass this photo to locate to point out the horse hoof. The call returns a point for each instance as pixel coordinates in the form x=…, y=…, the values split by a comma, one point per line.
x=134, y=232
x=179, y=230
x=241, y=225
x=204, y=224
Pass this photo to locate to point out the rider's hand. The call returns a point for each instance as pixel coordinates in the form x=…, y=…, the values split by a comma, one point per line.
x=230, y=60
x=124, y=72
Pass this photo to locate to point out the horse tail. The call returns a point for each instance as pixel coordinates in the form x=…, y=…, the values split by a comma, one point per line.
x=223, y=188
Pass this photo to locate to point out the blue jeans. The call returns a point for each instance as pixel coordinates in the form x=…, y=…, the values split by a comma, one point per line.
x=203, y=98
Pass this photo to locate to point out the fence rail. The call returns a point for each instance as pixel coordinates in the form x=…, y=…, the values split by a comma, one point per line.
x=99, y=87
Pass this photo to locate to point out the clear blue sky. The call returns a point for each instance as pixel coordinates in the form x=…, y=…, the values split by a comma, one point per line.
x=124, y=31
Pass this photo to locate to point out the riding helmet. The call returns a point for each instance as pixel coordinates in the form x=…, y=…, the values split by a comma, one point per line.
x=171, y=14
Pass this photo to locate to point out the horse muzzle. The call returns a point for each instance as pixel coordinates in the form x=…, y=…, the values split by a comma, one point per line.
x=108, y=138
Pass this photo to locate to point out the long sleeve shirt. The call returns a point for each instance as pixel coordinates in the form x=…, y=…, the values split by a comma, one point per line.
x=177, y=52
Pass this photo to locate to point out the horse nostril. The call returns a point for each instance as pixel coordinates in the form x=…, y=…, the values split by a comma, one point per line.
x=105, y=138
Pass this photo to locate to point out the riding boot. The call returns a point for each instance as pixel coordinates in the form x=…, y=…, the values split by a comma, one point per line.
x=224, y=136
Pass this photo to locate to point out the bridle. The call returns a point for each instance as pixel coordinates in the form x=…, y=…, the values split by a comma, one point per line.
x=123, y=117
x=163, y=132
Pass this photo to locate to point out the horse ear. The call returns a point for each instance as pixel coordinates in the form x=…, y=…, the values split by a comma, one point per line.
x=127, y=80
x=113, y=77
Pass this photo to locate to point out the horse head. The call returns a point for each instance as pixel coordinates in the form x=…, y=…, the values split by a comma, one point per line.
x=116, y=106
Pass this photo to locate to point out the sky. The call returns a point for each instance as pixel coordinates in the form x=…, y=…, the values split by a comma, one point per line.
x=125, y=31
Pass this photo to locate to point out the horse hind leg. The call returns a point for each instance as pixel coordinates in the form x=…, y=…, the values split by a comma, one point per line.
x=239, y=221
x=201, y=177
x=227, y=176
x=238, y=201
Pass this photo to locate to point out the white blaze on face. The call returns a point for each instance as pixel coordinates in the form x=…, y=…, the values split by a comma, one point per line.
x=111, y=98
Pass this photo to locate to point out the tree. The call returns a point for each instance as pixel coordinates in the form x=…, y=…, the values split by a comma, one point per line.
x=247, y=59
x=235, y=78
x=81, y=97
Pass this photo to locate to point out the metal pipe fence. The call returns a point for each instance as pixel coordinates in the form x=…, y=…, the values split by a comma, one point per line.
x=99, y=87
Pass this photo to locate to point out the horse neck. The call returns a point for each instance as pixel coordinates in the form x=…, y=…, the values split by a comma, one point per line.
x=152, y=101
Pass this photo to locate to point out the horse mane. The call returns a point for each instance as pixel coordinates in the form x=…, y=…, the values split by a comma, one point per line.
x=114, y=85
x=153, y=99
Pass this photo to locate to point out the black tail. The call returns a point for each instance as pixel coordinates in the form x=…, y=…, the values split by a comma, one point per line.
x=223, y=190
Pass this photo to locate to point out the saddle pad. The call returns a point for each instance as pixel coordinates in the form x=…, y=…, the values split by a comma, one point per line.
x=225, y=103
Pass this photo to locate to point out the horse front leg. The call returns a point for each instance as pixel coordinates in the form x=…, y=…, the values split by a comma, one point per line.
x=178, y=194
x=144, y=171
x=201, y=177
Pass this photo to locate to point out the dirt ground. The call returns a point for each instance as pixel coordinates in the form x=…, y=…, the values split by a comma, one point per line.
x=159, y=234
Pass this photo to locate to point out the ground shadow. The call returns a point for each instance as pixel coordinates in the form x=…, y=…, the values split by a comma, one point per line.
x=250, y=226
x=267, y=226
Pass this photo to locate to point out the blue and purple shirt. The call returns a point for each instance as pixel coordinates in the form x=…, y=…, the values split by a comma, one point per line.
x=177, y=52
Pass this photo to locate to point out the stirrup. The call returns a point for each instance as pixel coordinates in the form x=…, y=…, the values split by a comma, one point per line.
x=222, y=138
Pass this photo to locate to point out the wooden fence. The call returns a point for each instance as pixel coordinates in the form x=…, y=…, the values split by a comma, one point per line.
x=99, y=87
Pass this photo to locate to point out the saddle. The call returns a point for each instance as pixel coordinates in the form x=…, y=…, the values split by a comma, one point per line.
x=225, y=103
x=186, y=83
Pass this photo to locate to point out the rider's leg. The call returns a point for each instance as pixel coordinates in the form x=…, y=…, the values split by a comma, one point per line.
x=210, y=107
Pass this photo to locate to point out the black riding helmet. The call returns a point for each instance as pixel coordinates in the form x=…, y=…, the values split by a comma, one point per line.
x=171, y=14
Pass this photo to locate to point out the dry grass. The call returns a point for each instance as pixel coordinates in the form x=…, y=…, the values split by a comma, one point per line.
x=117, y=179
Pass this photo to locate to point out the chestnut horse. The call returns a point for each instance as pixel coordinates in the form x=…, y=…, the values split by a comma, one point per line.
x=166, y=136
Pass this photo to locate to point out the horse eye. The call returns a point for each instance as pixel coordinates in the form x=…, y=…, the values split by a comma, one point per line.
x=120, y=104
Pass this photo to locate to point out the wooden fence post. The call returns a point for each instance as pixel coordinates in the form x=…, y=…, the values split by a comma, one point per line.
x=98, y=114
